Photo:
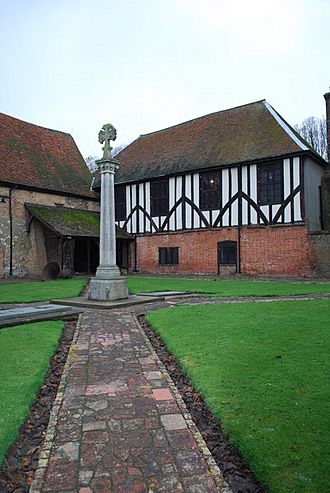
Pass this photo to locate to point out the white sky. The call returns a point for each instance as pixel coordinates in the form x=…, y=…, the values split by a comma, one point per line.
x=143, y=65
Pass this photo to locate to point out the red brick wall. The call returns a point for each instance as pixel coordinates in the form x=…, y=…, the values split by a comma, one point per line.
x=264, y=251
x=275, y=251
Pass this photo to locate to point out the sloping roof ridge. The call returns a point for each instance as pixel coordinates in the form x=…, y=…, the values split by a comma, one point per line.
x=37, y=126
x=286, y=127
x=58, y=207
x=200, y=118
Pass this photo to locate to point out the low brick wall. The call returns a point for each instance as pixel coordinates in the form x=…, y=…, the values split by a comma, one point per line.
x=320, y=253
x=276, y=251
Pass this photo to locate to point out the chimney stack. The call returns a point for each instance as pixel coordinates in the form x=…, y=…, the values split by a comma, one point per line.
x=327, y=117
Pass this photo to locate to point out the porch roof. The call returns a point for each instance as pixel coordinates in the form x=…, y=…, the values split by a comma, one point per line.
x=65, y=221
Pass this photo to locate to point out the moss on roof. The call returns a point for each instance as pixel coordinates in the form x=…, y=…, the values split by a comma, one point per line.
x=36, y=156
x=71, y=222
x=243, y=134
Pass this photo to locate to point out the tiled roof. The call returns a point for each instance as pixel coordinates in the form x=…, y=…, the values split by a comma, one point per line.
x=65, y=221
x=40, y=157
x=251, y=132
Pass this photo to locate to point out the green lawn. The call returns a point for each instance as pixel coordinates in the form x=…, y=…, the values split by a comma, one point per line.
x=216, y=287
x=26, y=292
x=263, y=369
x=25, y=351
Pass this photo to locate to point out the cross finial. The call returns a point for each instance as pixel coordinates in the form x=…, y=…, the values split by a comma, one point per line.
x=107, y=133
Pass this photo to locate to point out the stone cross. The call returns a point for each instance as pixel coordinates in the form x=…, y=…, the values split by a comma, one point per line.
x=107, y=133
x=108, y=284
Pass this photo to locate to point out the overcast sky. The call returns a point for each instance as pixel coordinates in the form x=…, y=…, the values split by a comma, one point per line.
x=143, y=65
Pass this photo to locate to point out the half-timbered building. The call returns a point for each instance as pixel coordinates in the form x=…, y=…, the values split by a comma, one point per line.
x=232, y=191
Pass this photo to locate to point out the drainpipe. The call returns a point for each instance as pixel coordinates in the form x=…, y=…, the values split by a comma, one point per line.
x=10, y=234
x=135, y=256
x=239, y=248
x=327, y=116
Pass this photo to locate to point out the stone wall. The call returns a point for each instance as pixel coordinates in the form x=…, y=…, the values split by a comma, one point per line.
x=325, y=195
x=269, y=250
x=29, y=248
x=320, y=253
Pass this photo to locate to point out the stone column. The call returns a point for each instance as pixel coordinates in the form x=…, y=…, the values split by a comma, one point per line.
x=108, y=285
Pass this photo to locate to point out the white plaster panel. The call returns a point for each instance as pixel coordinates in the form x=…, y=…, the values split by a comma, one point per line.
x=265, y=210
x=225, y=195
x=188, y=216
x=296, y=172
x=253, y=192
x=148, y=197
x=196, y=199
x=133, y=205
x=287, y=213
x=297, y=210
x=129, y=208
x=172, y=201
x=188, y=194
x=179, y=217
x=161, y=221
x=244, y=179
x=234, y=213
x=275, y=208
x=188, y=186
x=244, y=211
x=234, y=181
x=171, y=192
x=286, y=176
x=214, y=215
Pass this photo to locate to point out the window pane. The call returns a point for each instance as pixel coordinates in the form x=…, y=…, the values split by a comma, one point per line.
x=159, y=197
x=210, y=190
x=162, y=256
x=227, y=252
x=174, y=255
x=270, y=183
x=120, y=203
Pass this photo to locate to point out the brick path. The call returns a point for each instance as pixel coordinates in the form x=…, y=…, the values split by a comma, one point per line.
x=118, y=424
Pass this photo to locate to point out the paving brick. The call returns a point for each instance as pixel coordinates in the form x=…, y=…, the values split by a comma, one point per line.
x=173, y=421
x=119, y=428
x=162, y=394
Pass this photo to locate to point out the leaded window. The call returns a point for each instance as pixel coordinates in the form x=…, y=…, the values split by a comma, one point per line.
x=210, y=190
x=168, y=256
x=120, y=202
x=227, y=252
x=159, y=197
x=270, y=183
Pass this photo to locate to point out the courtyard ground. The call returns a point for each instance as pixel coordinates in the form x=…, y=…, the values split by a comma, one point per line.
x=89, y=380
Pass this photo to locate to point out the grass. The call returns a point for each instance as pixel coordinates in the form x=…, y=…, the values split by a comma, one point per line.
x=215, y=287
x=25, y=351
x=26, y=292
x=263, y=370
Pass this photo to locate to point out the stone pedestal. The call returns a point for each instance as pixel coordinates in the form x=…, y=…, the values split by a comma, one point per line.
x=107, y=285
x=107, y=289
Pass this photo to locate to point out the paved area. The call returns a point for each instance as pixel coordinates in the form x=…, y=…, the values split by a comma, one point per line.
x=31, y=313
x=119, y=424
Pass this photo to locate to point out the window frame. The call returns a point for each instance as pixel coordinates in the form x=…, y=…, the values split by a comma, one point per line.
x=120, y=205
x=210, y=196
x=223, y=247
x=159, y=197
x=270, y=188
x=168, y=255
